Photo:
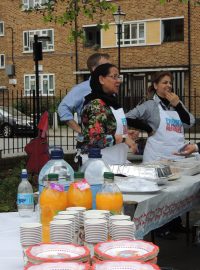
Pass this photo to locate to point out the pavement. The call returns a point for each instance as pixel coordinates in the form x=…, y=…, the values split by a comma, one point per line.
x=177, y=254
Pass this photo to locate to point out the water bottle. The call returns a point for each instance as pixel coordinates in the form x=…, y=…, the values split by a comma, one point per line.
x=94, y=169
x=56, y=165
x=25, y=201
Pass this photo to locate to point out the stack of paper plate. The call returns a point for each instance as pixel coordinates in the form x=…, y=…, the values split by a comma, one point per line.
x=126, y=250
x=58, y=266
x=57, y=252
x=130, y=265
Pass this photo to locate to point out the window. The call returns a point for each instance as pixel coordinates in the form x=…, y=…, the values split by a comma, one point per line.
x=1, y=28
x=2, y=61
x=133, y=34
x=28, y=39
x=28, y=4
x=173, y=30
x=46, y=84
x=92, y=36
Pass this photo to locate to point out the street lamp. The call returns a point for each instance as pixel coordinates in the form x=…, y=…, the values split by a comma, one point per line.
x=37, y=56
x=119, y=17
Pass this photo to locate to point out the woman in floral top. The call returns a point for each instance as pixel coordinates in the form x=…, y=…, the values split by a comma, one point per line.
x=103, y=120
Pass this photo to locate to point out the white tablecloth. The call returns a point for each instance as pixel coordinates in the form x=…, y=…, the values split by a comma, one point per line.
x=11, y=256
x=155, y=210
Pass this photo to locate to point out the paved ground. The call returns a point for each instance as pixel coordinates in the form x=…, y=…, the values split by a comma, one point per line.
x=176, y=254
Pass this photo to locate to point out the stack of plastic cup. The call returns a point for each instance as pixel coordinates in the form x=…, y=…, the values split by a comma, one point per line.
x=123, y=229
x=61, y=231
x=74, y=213
x=71, y=218
x=30, y=234
x=117, y=218
x=80, y=210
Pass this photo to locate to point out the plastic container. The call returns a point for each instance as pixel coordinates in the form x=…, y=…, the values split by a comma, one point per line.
x=94, y=169
x=109, y=197
x=25, y=199
x=59, y=166
x=52, y=199
x=79, y=193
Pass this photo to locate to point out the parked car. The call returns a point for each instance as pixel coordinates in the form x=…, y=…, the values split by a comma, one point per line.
x=14, y=122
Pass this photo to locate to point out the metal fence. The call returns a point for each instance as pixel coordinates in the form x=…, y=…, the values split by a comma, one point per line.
x=17, y=129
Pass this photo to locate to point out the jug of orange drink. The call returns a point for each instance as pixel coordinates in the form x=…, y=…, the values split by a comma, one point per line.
x=109, y=197
x=52, y=199
x=79, y=192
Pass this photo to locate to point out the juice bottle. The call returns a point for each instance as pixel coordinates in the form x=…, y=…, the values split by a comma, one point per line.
x=109, y=197
x=79, y=192
x=53, y=198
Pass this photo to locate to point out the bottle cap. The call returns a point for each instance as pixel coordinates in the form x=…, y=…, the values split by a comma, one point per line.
x=24, y=173
x=94, y=153
x=109, y=175
x=78, y=175
x=53, y=176
x=57, y=154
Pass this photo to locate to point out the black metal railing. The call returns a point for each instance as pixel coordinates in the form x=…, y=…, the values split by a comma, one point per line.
x=17, y=129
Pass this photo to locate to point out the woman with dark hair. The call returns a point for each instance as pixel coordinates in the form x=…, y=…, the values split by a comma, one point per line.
x=103, y=120
x=166, y=116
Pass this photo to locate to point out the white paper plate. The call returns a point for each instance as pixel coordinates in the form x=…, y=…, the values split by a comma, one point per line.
x=58, y=266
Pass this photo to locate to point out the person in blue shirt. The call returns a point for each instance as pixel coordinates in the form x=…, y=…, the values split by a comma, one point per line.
x=73, y=101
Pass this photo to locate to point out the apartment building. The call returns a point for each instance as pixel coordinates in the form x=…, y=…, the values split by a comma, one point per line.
x=154, y=37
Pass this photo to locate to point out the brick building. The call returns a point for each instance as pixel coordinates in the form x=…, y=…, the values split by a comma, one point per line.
x=155, y=37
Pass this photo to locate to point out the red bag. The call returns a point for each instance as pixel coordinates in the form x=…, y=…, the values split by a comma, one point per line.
x=38, y=149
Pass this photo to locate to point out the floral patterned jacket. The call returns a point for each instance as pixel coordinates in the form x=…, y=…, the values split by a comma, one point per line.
x=98, y=125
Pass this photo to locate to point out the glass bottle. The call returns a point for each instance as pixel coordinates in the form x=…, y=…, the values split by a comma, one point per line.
x=79, y=193
x=109, y=197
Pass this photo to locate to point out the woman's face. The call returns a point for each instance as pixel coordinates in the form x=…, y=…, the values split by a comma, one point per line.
x=163, y=86
x=111, y=82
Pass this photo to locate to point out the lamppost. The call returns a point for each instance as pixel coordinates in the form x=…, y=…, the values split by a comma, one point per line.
x=37, y=56
x=119, y=17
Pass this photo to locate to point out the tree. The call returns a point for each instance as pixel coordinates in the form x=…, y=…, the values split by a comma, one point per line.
x=66, y=12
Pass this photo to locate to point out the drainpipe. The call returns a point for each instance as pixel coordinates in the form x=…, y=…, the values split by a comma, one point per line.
x=76, y=42
x=189, y=55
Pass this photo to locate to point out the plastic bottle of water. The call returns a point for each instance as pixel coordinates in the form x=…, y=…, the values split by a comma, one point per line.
x=25, y=202
x=59, y=166
x=94, y=169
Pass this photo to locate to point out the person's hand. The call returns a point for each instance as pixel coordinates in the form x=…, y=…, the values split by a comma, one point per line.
x=133, y=134
x=131, y=144
x=172, y=98
x=188, y=150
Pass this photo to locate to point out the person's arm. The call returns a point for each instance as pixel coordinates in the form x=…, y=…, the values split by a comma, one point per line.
x=186, y=117
x=74, y=125
x=72, y=103
x=189, y=149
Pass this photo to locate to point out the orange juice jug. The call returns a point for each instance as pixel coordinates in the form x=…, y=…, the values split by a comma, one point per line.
x=79, y=192
x=109, y=197
x=52, y=199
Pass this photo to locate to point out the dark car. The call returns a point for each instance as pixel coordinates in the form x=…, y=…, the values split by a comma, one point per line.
x=14, y=122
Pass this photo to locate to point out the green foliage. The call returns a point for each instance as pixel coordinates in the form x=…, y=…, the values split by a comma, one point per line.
x=9, y=181
x=71, y=10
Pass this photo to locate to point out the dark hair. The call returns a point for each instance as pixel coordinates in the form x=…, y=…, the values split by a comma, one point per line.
x=93, y=60
x=157, y=77
x=97, y=90
x=102, y=70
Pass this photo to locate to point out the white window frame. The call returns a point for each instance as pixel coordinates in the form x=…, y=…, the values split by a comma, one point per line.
x=30, y=4
x=2, y=65
x=2, y=33
x=28, y=39
x=29, y=84
x=137, y=39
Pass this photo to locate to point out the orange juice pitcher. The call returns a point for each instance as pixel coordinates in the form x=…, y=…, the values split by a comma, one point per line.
x=109, y=197
x=52, y=200
x=79, y=192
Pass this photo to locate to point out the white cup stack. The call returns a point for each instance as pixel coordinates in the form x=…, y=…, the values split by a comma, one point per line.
x=123, y=229
x=80, y=210
x=30, y=234
x=67, y=217
x=94, y=216
x=96, y=230
x=117, y=218
x=61, y=231
x=74, y=213
x=106, y=213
